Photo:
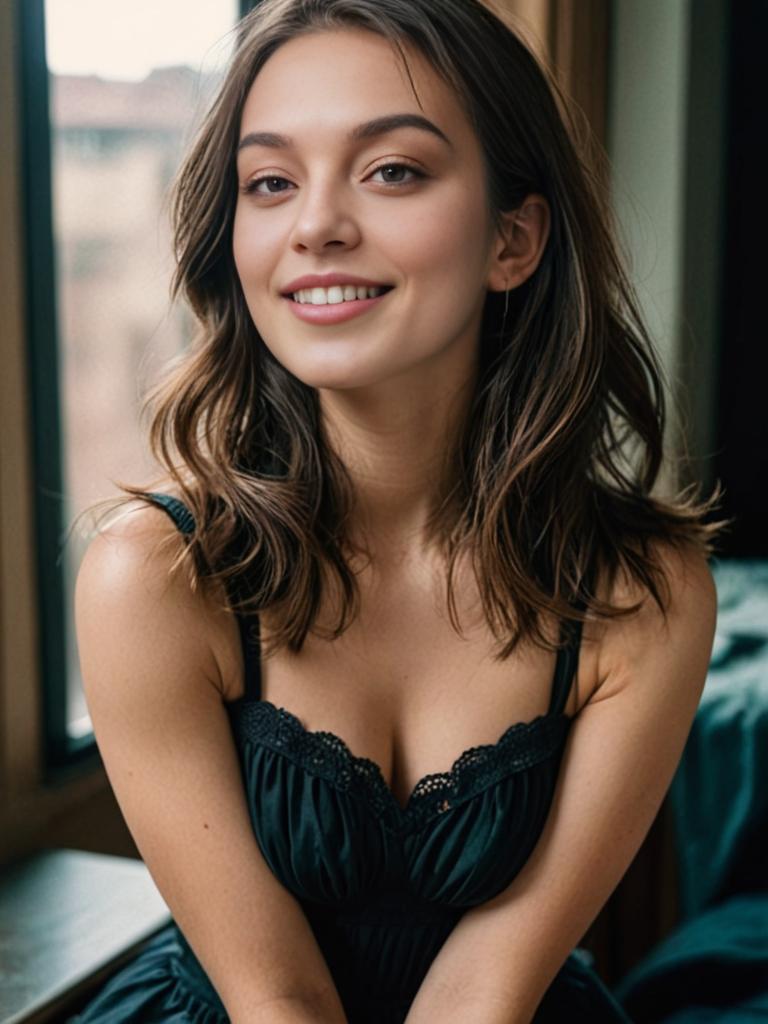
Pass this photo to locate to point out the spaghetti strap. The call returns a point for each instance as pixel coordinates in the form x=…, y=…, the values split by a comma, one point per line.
x=176, y=509
x=250, y=638
x=248, y=626
x=567, y=663
x=565, y=669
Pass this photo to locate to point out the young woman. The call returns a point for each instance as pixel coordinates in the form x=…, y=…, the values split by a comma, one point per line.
x=392, y=674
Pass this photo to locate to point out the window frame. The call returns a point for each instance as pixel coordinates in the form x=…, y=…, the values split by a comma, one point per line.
x=39, y=262
x=62, y=755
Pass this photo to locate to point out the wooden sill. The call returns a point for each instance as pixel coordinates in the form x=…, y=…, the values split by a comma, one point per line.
x=68, y=920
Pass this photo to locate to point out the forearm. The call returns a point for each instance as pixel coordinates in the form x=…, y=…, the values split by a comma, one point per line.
x=450, y=1007
x=468, y=983
x=293, y=1010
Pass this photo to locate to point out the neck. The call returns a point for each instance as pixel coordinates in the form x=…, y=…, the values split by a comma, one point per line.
x=395, y=443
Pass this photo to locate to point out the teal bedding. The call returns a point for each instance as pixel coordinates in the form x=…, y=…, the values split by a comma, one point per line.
x=714, y=966
x=720, y=792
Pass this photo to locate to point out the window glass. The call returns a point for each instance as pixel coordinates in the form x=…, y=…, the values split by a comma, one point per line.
x=128, y=82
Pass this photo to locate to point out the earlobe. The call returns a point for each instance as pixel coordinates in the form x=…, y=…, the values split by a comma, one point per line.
x=520, y=242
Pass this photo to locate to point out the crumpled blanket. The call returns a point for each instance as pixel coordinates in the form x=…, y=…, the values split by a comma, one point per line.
x=714, y=966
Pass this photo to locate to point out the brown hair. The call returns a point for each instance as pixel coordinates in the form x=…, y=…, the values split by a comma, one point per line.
x=563, y=443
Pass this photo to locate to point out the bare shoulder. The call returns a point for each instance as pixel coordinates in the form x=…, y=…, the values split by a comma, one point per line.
x=133, y=556
x=659, y=644
x=132, y=592
x=688, y=578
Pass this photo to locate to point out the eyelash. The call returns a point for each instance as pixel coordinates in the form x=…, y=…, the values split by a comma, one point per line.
x=250, y=187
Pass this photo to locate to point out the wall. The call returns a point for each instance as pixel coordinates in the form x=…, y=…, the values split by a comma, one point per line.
x=666, y=114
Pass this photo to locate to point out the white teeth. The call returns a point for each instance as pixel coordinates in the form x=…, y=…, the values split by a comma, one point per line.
x=333, y=296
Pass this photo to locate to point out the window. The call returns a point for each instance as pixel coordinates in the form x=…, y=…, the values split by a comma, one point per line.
x=111, y=95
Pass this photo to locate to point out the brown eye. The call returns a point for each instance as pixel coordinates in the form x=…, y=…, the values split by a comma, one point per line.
x=398, y=174
x=274, y=185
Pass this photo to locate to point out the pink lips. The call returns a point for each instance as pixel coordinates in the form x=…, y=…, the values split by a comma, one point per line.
x=333, y=314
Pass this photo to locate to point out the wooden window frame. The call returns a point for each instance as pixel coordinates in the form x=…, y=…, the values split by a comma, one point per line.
x=48, y=780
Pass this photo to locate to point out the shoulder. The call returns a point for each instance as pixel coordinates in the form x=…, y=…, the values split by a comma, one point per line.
x=687, y=582
x=135, y=590
x=653, y=643
x=136, y=550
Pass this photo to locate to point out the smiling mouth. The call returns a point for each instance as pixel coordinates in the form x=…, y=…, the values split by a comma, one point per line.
x=337, y=294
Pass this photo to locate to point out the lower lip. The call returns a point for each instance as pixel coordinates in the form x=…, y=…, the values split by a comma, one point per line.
x=333, y=314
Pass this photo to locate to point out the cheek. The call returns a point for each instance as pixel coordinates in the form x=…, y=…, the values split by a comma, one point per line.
x=242, y=250
x=445, y=249
x=250, y=251
x=446, y=241
x=251, y=247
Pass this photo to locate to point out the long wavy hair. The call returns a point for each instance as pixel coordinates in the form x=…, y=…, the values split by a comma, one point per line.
x=553, y=471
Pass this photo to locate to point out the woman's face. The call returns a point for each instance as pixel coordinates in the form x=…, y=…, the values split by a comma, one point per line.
x=345, y=181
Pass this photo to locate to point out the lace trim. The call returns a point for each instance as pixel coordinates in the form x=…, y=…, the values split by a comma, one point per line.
x=324, y=754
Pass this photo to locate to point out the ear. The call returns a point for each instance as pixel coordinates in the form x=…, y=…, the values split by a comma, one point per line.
x=519, y=244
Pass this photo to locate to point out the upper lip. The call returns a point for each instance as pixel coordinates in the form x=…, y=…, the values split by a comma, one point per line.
x=328, y=281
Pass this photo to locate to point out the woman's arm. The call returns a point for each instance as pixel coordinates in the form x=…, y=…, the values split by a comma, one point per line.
x=152, y=662
x=619, y=760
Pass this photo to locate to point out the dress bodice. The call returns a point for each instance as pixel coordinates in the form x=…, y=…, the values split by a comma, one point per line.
x=381, y=884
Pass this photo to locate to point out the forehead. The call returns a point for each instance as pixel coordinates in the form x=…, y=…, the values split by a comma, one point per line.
x=348, y=75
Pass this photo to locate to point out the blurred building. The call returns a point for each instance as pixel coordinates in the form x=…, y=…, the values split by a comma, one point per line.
x=116, y=148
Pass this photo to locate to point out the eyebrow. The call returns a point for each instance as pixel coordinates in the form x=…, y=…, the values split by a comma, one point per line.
x=366, y=130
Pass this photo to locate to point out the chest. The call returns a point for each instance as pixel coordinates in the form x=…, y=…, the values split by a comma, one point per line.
x=401, y=687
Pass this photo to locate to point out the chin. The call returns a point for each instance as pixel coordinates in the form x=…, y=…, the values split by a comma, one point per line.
x=343, y=374
x=334, y=380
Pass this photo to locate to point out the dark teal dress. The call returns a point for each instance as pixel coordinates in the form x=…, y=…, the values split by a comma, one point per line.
x=381, y=885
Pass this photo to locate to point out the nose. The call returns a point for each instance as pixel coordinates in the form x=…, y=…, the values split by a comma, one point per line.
x=324, y=219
